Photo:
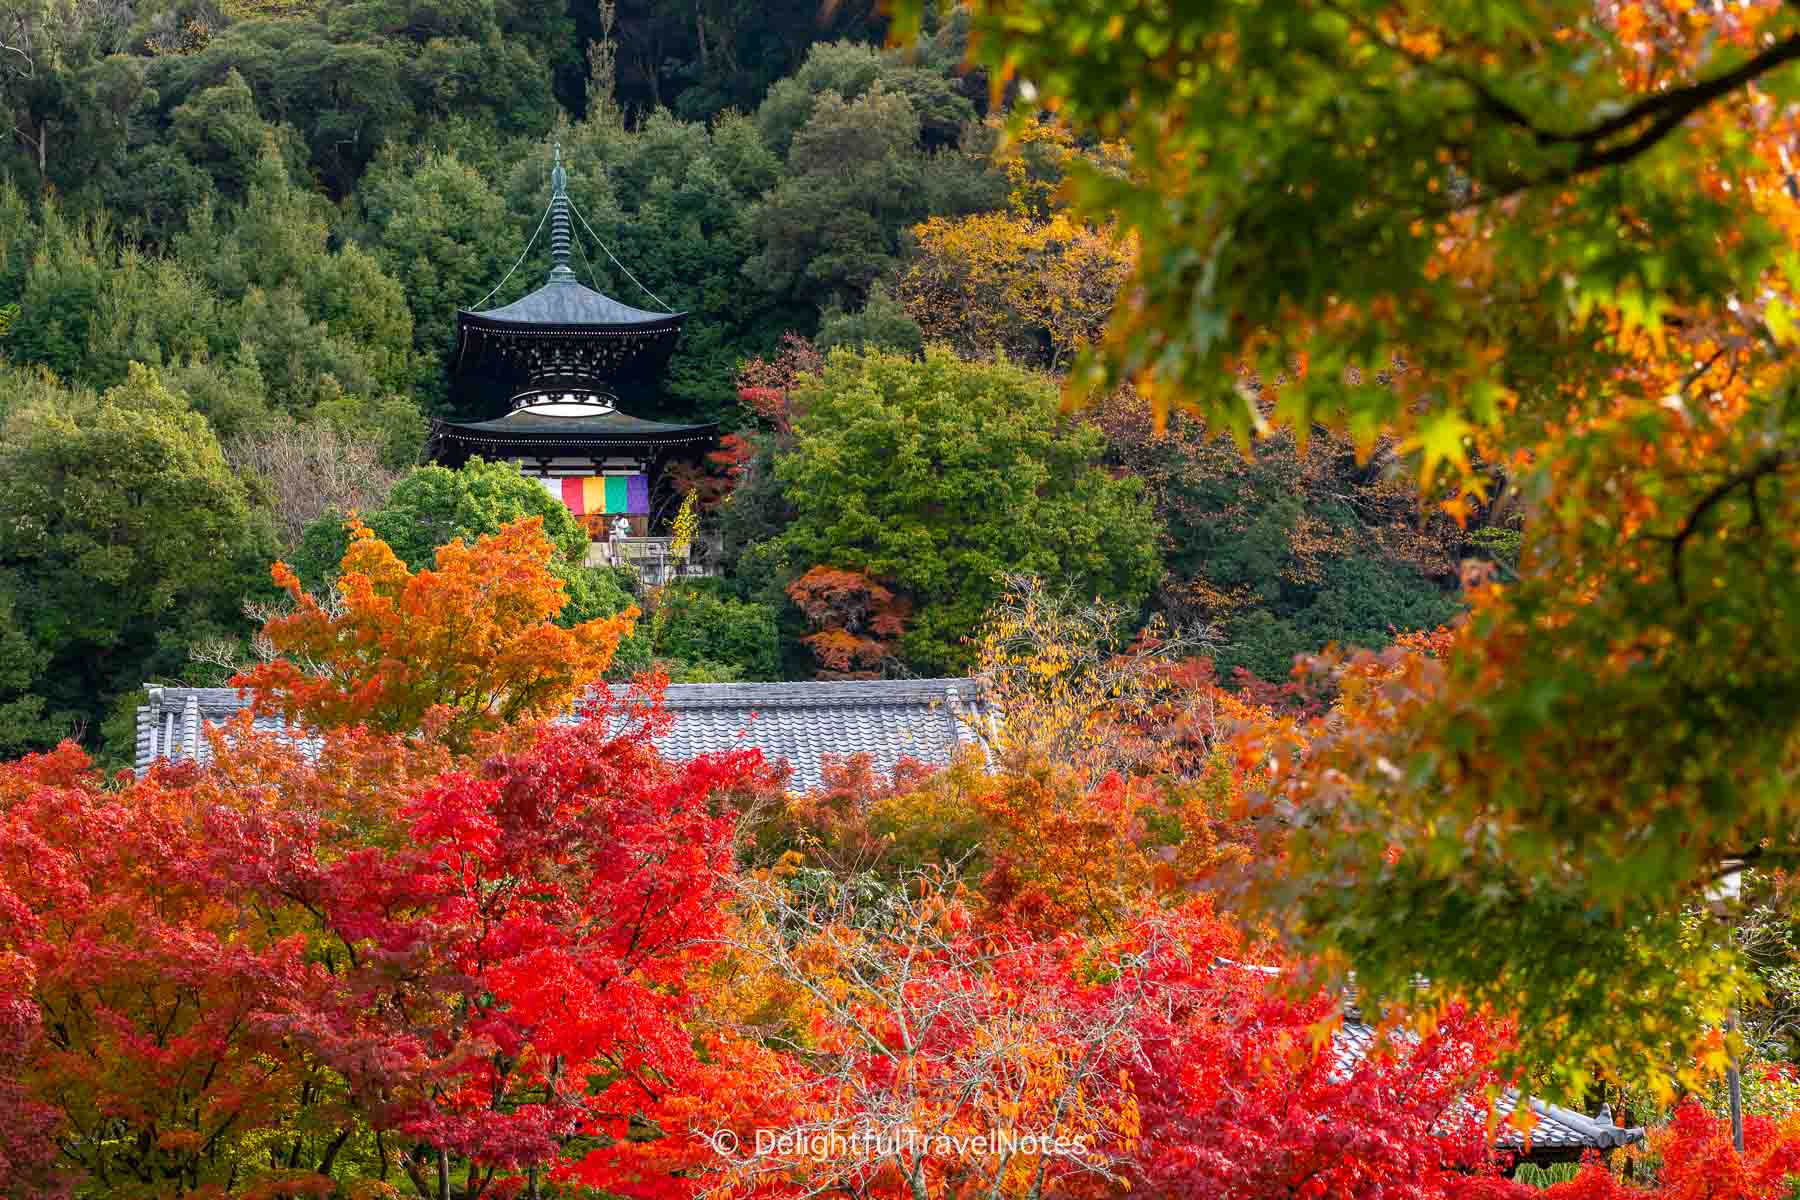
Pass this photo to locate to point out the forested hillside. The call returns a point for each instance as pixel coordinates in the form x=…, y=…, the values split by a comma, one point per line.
x=233, y=240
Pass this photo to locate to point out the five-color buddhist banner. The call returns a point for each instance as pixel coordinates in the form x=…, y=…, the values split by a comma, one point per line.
x=597, y=495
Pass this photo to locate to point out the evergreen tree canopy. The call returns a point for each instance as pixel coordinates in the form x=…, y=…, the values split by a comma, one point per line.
x=937, y=477
x=124, y=538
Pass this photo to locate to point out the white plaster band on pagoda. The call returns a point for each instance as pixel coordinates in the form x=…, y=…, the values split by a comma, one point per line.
x=556, y=403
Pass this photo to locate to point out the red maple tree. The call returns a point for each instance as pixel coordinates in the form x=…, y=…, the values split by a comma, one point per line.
x=386, y=959
x=1244, y=1094
x=856, y=622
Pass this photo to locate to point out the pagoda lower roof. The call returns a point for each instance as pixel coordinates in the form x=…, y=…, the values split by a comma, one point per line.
x=524, y=428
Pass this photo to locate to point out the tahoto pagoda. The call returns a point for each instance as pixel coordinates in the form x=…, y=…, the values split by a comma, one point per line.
x=565, y=354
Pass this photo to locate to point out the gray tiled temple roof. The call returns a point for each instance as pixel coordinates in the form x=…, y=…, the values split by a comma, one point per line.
x=799, y=723
x=1560, y=1133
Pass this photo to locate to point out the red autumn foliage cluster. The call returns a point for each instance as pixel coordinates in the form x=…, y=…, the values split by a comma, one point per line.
x=1409, y=1120
x=466, y=963
x=1163, y=1062
x=515, y=958
x=713, y=480
x=856, y=622
x=764, y=384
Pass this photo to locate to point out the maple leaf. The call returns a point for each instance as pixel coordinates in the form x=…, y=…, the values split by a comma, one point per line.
x=1442, y=439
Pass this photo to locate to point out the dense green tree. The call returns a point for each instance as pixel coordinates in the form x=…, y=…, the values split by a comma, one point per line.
x=230, y=393
x=301, y=362
x=848, y=70
x=97, y=96
x=702, y=628
x=753, y=515
x=151, y=310
x=124, y=540
x=441, y=229
x=1280, y=549
x=880, y=324
x=858, y=176
x=265, y=295
x=61, y=277
x=934, y=478
x=65, y=89
x=389, y=421
x=218, y=130
x=317, y=317
x=159, y=187
x=702, y=58
x=1358, y=600
x=369, y=74
x=18, y=238
x=281, y=241
x=27, y=722
x=856, y=179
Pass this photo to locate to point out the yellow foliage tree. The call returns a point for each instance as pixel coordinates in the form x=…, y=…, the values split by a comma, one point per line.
x=1037, y=151
x=1112, y=781
x=1038, y=290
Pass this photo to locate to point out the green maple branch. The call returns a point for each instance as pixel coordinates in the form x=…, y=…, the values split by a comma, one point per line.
x=1769, y=464
x=1663, y=112
x=1667, y=110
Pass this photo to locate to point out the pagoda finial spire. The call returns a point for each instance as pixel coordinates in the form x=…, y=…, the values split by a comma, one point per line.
x=559, y=220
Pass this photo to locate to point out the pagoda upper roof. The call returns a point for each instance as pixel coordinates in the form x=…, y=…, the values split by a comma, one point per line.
x=566, y=305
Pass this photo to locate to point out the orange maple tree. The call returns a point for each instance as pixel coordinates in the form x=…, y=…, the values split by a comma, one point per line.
x=462, y=647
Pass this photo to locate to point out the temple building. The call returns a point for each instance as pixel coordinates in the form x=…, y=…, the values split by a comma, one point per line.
x=559, y=363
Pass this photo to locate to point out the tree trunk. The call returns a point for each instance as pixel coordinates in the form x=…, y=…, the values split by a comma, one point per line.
x=1735, y=1086
x=337, y=1143
x=411, y=1163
